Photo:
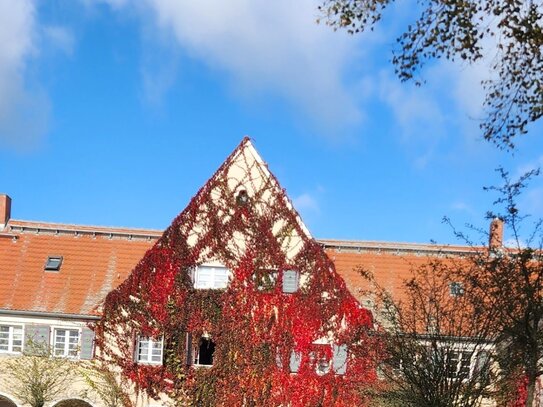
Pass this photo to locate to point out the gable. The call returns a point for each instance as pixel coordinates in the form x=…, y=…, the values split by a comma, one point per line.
x=258, y=237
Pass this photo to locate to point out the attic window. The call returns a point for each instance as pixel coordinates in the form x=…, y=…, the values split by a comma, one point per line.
x=456, y=289
x=53, y=263
x=242, y=198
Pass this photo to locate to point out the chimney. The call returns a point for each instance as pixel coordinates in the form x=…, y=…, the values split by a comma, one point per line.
x=495, y=236
x=5, y=210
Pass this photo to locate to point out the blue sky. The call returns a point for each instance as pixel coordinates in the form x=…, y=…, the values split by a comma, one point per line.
x=115, y=112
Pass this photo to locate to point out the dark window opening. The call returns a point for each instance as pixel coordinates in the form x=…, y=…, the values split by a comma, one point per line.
x=242, y=198
x=53, y=263
x=204, y=352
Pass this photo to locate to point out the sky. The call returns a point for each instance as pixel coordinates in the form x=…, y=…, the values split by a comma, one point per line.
x=115, y=113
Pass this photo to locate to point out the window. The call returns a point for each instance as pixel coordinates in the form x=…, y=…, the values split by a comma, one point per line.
x=203, y=352
x=320, y=358
x=456, y=289
x=206, y=277
x=11, y=338
x=290, y=281
x=66, y=342
x=53, y=263
x=242, y=199
x=458, y=363
x=265, y=280
x=149, y=350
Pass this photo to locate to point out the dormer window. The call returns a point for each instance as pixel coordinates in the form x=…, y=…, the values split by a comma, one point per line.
x=53, y=263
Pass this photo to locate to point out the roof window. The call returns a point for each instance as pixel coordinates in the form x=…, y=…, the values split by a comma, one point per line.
x=53, y=263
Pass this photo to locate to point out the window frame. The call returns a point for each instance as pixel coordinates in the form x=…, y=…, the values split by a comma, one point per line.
x=11, y=339
x=320, y=361
x=196, y=352
x=467, y=356
x=464, y=362
x=266, y=280
x=66, y=350
x=50, y=265
x=196, y=274
x=456, y=289
x=149, y=354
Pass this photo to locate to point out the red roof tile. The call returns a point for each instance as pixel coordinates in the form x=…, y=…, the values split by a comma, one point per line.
x=95, y=260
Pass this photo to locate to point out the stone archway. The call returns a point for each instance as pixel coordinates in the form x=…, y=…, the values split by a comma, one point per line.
x=6, y=402
x=72, y=403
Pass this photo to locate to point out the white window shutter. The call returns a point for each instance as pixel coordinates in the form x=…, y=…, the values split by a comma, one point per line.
x=290, y=281
x=339, y=359
x=87, y=343
x=295, y=360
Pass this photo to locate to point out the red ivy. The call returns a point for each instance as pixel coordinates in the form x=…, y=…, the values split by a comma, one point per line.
x=255, y=330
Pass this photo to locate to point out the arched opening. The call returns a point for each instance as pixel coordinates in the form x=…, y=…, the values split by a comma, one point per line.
x=6, y=402
x=73, y=403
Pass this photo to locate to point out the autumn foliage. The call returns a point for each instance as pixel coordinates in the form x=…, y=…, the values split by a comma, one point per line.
x=255, y=328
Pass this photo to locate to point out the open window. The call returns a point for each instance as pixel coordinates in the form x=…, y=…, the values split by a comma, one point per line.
x=201, y=351
x=53, y=263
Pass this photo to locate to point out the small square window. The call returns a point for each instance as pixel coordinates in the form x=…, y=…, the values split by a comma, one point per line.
x=66, y=343
x=211, y=277
x=265, y=280
x=53, y=263
x=149, y=350
x=11, y=338
x=456, y=289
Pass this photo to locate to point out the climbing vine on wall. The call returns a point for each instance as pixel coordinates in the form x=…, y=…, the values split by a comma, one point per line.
x=242, y=219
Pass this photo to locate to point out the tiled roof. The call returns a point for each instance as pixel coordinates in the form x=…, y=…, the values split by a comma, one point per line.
x=95, y=260
x=391, y=263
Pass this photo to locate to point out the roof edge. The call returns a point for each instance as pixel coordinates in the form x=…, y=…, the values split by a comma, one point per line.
x=21, y=226
x=359, y=246
x=42, y=314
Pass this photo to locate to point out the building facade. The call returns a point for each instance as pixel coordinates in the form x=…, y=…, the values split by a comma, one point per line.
x=235, y=294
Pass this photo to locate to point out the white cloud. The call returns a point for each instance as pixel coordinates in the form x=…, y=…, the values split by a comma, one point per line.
x=305, y=203
x=61, y=38
x=23, y=111
x=266, y=48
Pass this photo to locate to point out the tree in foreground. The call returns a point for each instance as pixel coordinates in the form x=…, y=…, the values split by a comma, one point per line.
x=459, y=30
x=437, y=346
x=38, y=377
x=105, y=383
x=507, y=283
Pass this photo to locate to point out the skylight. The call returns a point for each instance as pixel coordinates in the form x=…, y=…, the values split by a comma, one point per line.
x=53, y=263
